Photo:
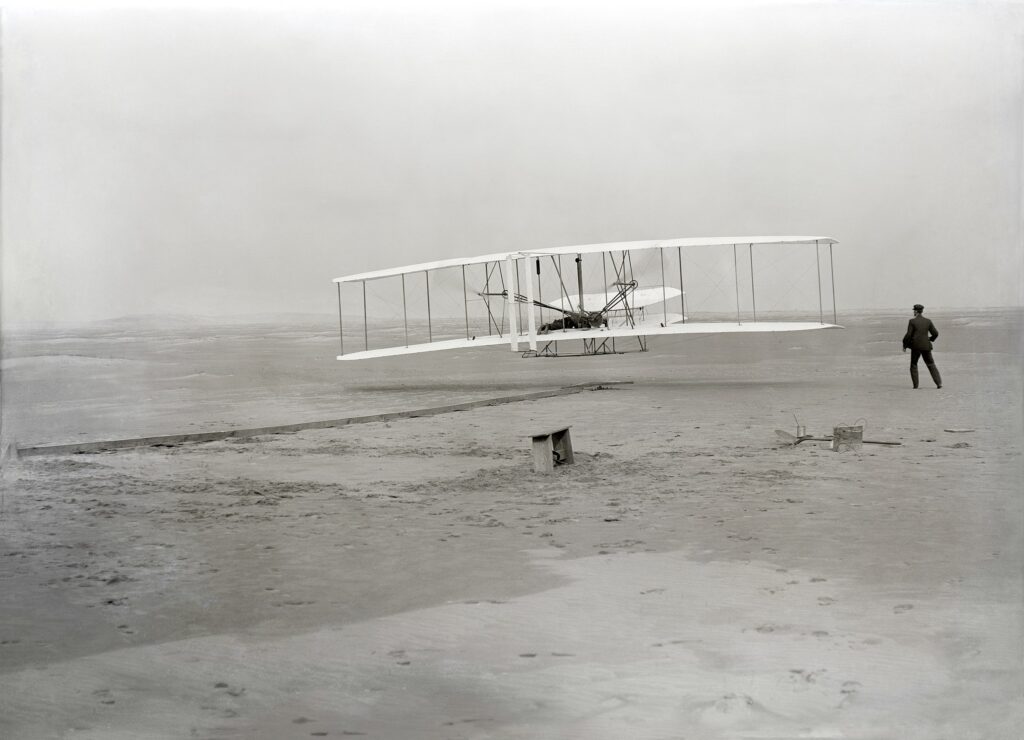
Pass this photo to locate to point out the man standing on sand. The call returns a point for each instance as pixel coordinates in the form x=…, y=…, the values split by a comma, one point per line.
x=921, y=332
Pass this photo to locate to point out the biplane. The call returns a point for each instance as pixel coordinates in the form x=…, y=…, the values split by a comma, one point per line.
x=601, y=298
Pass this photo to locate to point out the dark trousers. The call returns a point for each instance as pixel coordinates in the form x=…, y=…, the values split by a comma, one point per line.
x=928, y=361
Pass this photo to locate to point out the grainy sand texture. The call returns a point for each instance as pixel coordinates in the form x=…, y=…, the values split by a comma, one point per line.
x=690, y=576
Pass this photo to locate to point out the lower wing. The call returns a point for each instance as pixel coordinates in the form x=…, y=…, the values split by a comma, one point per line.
x=652, y=329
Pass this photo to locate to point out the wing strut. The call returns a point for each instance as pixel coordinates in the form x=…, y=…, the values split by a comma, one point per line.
x=579, y=279
x=430, y=328
x=366, y=330
x=832, y=272
x=817, y=257
x=518, y=286
x=465, y=300
x=682, y=298
x=513, y=330
x=530, y=318
x=604, y=275
x=341, y=326
x=664, y=290
x=540, y=289
x=753, y=298
x=490, y=316
x=736, y=275
x=405, y=312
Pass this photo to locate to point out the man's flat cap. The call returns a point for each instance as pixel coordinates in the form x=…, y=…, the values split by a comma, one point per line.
x=918, y=307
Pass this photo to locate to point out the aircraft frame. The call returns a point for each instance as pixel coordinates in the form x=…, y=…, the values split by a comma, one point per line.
x=596, y=319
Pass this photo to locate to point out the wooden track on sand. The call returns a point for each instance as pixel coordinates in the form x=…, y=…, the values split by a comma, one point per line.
x=170, y=440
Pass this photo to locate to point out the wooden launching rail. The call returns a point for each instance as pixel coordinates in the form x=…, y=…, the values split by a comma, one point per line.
x=195, y=437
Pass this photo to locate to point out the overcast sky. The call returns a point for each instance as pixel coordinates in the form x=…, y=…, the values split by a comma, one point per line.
x=235, y=161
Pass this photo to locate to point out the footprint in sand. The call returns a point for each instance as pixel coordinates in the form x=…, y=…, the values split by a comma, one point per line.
x=470, y=720
x=675, y=642
x=849, y=692
x=214, y=705
x=800, y=675
x=103, y=695
x=900, y=608
x=231, y=691
x=730, y=709
x=826, y=601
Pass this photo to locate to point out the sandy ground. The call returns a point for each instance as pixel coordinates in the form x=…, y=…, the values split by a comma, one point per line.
x=688, y=577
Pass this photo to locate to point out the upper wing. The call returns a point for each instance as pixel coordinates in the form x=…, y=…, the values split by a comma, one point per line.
x=588, y=249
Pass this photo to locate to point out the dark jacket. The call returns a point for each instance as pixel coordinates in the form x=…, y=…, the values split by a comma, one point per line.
x=921, y=332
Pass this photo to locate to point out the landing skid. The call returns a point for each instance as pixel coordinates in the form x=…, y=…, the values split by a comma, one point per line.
x=590, y=347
